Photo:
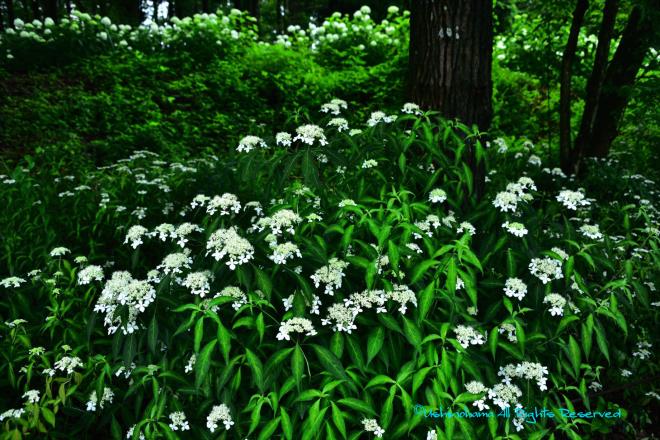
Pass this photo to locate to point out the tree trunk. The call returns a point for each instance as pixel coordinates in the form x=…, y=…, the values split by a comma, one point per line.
x=566, y=156
x=620, y=76
x=450, y=64
x=595, y=82
x=51, y=9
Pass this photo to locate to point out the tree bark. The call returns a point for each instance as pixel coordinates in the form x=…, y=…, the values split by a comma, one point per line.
x=450, y=62
x=565, y=151
x=595, y=81
x=620, y=76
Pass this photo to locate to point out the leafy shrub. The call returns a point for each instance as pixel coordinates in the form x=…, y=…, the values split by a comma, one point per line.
x=320, y=282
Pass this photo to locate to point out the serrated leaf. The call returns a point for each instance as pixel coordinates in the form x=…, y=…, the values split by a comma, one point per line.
x=375, y=343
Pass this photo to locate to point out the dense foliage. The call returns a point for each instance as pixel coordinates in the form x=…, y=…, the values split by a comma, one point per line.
x=208, y=235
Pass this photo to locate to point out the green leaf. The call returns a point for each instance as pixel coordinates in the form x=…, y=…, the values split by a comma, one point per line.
x=412, y=333
x=152, y=335
x=451, y=276
x=257, y=369
x=224, y=337
x=381, y=379
x=426, y=297
x=419, y=270
x=375, y=343
x=574, y=355
x=587, y=333
x=601, y=341
x=287, y=427
x=203, y=363
x=130, y=349
x=263, y=281
x=357, y=405
x=49, y=416
x=199, y=334
x=330, y=362
x=298, y=365
x=269, y=429
x=338, y=419
x=492, y=340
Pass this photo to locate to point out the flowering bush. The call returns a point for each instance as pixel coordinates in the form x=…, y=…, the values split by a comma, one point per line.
x=290, y=291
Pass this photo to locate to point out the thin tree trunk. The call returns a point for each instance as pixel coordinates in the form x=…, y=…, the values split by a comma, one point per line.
x=565, y=88
x=450, y=64
x=620, y=76
x=595, y=82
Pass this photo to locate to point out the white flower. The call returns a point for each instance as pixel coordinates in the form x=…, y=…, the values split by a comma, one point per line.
x=432, y=434
x=515, y=228
x=331, y=108
x=108, y=396
x=198, y=282
x=591, y=231
x=515, y=288
x=129, y=433
x=342, y=317
x=340, y=124
x=191, y=363
x=32, y=396
x=402, y=295
x=467, y=227
x=331, y=275
x=68, y=363
x=12, y=281
x=411, y=108
x=227, y=242
x=371, y=425
x=295, y=325
x=466, y=335
x=283, y=139
x=506, y=201
x=534, y=160
x=503, y=395
x=475, y=387
x=284, y=251
x=178, y=421
x=219, y=413
x=379, y=116
x=135, y=234
x=12, y=413
x=89, y=273
x=563, y=255
x=248, y=143
x=510, y=331
x=526, y=370
x=572, y=199
x=59, y=251
x=557, y=303
x=347, y=202
x=284, y=219
x=122, y=291
x=546, y=269
x=437, y=196
x=310, y=133
x=626, y=373
x=227, y=202
x=240, y=298
x=175, y=263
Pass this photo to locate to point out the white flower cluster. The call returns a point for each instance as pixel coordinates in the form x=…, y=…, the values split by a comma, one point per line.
x=331, y=275
x=248, y=143
x=466, y=335
x=219, y=413
x=572, y=199
x=557, y=303
x=295, y=325
x=371, y=425
x=369, y=164
x=135, y=234
x=309, y=134
x=89, y=273
x=377, y=117
x=340, y=124
x=283, y=251
x=525, y=370
x=191, y=363
x=227, y=202
x=504, y=395
x=515, y=288
x=642, y=351
x=12, y=282
x=227, y=242
x=178, y=421
x=347, y=202
x=591, y=231
x=199, y=283
x=240, y=298
x=402, y=295
x=515, y=192
x=59, y=251
x=284, y=219
x=175, y=263
x=283, y=139
x=342, y=317
x=107, y=397
x=32, y=396
x=546, y=269
x=68, y=364
x=437, y=195
x=432, y=221
x=510, y=330
x=124, y=291
x=12, y=414
x=515, y=228
x=466, y=227
x=410, y=108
